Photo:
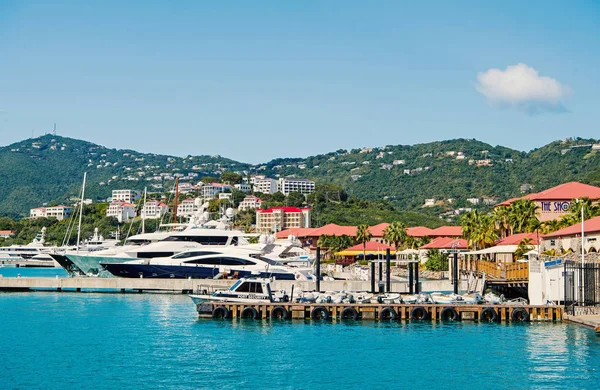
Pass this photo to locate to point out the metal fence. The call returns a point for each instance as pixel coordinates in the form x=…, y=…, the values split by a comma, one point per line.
x=582, y=286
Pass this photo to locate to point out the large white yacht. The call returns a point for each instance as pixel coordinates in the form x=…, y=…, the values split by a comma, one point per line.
x=208, y=262
x=33, y=254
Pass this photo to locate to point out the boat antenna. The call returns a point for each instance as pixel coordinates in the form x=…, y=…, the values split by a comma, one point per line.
x=144, y=213
x=81, y=210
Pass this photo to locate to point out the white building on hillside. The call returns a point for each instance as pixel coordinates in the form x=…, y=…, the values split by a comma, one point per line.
x=250, y=202
x=265, y=185
x=187, y=207
x=211, y=190
x=304, y=186
x=58, y=212
x=154, y=209
x=128, y=196
x=123, y=211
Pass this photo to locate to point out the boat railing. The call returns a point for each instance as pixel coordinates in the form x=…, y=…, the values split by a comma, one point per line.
x=205, y=289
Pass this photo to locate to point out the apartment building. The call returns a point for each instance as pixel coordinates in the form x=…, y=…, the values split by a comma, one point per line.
x=276, y=219
x=128, y=196
x=250, y=202
x=123, y=211
x=154, y=209
x=303, y=186
x=58, y=212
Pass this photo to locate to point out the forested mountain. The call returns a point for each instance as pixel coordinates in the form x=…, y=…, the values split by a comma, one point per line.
x=50, y=169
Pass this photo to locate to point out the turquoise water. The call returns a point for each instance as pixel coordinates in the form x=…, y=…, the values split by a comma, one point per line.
x=33, y=272
x=144, y=341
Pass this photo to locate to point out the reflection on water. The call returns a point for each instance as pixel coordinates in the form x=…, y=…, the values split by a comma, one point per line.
x=140, y=341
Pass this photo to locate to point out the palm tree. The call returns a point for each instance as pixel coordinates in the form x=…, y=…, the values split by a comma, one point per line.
x=325, y=242
x=363, y=235
x=590, y=210
x=479, y=229
x=522, y=216
x=524, y=246
x=395, y=234
x=500, y=215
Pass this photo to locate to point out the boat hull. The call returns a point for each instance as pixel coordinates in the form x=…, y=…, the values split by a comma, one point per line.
x=182, y=272
x=67, y=264
x=90, y=264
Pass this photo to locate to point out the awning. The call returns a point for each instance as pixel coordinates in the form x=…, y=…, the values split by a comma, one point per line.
x=496, y=249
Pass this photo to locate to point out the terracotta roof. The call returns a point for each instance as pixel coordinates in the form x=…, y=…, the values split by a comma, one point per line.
x=377, y=230
x=296, y=232
x=371, y=246
x=589, y=226
x=447, y=243
x=334, y=230
x=447, y=231
x=515, y=239
x=566, y=191
x=7, y=232
x=418, y=231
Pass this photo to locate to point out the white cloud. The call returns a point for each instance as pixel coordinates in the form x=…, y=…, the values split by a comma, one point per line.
x=521, y=86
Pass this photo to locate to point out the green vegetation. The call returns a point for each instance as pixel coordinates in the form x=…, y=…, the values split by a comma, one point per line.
x=436, y=261
x=359, y=186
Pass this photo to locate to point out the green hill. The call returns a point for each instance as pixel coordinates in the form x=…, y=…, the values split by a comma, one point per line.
x=50, y=169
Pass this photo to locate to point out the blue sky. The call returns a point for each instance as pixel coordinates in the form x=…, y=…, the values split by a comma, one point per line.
x=255, y=80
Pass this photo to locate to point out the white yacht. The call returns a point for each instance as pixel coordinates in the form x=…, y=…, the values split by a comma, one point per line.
x=33, y=254
x=209, y=262
x=247, y=290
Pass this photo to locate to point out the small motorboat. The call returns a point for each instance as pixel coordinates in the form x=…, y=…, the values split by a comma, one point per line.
x=247, y=290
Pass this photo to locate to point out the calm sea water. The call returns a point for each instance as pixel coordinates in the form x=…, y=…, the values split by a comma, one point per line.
x=144, y=341
x=7, y=272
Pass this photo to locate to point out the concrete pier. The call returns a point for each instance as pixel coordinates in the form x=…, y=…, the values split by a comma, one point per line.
x=190, y=285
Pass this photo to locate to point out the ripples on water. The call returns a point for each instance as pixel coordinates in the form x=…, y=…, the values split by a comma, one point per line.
x=107, y=341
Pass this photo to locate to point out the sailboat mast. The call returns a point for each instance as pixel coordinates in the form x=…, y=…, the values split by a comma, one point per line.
x=144, y=212
x=176, y=200
x=81, y=210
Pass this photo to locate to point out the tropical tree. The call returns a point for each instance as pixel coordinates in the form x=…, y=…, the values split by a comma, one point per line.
x=522, y=216
x=479, y=229
x=590, y=210
x=500, y=216
x=524, y=246
x=395, y=234
x=363, y=235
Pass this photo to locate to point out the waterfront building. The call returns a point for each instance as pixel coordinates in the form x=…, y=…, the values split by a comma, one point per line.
x=554, y=202
x=250, y=202
x=154, y=209
x=276, y=219
x=123, y=211
x=569, y=238
x=446, y=231
x=58, y=212
x=128, y=196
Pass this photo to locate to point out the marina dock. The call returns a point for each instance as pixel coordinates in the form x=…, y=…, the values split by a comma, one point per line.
x=381, y=312
x=187, y=286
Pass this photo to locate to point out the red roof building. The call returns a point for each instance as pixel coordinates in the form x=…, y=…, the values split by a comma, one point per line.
x=554, y=202
x=377, y=230
x=590, y=226
x=419, y=231
x=447, y=231
x=516, y=239
x=447, y=243
x=296, y=232
x=334, y=230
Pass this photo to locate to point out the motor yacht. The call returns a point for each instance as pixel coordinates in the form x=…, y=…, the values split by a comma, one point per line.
x=212, y=262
